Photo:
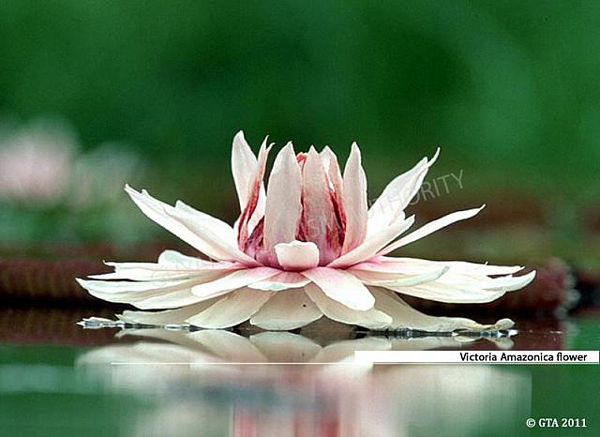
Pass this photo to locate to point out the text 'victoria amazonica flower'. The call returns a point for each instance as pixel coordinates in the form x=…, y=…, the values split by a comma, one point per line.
x=304, y=246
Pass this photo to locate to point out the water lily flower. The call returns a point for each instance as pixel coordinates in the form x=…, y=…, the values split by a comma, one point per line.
x=304, y=246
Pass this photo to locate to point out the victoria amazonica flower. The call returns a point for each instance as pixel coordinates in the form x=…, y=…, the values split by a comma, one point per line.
x=305, y=245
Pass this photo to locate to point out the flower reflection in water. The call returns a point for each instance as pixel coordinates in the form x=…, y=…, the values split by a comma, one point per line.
x=211, y=382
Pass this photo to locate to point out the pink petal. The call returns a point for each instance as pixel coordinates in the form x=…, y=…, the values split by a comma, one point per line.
x=233, y=281
x=334, y=175
x=283, y=208
x=397, y=195
x=354, y=201
x=319, y=223
x=297, y=255
x=342, y=287
x=255, y=204
x=430, y=228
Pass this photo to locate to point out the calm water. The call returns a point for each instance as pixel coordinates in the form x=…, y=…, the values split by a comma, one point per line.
x=57, y=379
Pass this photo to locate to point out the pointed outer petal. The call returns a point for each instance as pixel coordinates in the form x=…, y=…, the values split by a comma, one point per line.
x=233, y=281
x=369, y=247
x=215, y=225
x=285, y=347
x=243, y=168
x=342, y=350
x=281, y=281
x=174, y=258
x=417, y=266
x=404, y=316
x=286, y=310
x=283, y=209
x=372, y=318
x=342, y=287
x=161, y=301
x=398, y=279
x=255, y=206
x=397, y=195
x=119, y=287
x=146, y=295
x=319, y=223
x=354, y=201
x=162, y=272
x=235, y=308
x=449, y=293
x=219, y=233
x=503, y=283
x=228, y=346
x=203, y=234
x=161, y=318
x=297, y=255
x=430, y=228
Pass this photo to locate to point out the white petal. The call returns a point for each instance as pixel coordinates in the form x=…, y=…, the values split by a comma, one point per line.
x=430, y=228
x=404, y=316
x=297, y=255
x=232, y=281
x=235, y=308
x=372, y=318
x=200, y=231
x=161, y=318
x=281, y=281
x=286, y=310
x=169, y=267
x=285, y=347
x=398, y=279
x=397, y=195
x=449, y=293
x=504, y=283
x=283, y=208
x=213, y=224
x=342, y=287
x=151, y=299
x=370, y=246
x=418, y=266
x=174, y=299
x=176, y=259
x=118, y=287
x=243, y=167
x=354, y=201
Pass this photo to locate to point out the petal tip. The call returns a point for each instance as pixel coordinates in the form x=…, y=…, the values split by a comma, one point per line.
x=435, y=157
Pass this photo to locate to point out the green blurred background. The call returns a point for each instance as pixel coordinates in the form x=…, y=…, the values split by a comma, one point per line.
x=509, y=90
